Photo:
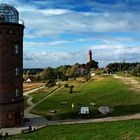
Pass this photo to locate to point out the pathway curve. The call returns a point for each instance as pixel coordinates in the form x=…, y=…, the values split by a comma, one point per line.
x=36, y=121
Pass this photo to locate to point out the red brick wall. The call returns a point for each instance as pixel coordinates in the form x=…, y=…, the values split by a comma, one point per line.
x=10, y=35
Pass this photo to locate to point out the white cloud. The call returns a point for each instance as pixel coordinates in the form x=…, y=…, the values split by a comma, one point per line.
x=51, y=22
x=45, y=59
x=52, y=12
x=45, y=44
x=115, y=53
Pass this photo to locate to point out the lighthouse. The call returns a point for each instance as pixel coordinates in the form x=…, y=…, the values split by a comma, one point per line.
x=11, y=67
x=90, y=56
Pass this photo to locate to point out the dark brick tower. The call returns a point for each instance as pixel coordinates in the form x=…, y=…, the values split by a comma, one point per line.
x=11, y=65
x=89, y=56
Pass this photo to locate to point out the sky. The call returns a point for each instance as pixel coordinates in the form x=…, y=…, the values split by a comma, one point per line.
x=61, y=32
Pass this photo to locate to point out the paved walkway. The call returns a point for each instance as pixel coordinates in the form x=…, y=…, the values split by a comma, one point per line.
x=107, y=119
x=36, y=121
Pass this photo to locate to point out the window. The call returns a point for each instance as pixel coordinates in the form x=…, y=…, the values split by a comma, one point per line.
x=16, y=71
x=16, y=49
x=10, y=31
x=9, y=116
x=17, y=92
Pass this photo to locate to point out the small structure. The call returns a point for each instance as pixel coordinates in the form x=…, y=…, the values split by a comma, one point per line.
x=28, y=80
x=105, y=110
x=72, y=106
x=93, y=74
x=84, y=111
x=52, y=111
x=64, y=103
x=92, y=104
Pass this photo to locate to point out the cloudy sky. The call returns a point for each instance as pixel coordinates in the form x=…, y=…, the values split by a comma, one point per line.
x=59, y=32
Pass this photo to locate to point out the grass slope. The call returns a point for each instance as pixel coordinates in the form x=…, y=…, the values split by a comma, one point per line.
x=41, y=93
x=105, y=91
x=122, y=130
x=25, y=101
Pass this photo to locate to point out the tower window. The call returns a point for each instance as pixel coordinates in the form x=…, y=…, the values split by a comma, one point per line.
x=9, y=116
x=16, y=71
x=17, y=92
x=10, y=31
x=16, y=49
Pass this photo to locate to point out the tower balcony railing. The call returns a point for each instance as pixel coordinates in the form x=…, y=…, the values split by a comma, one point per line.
x=20, y=21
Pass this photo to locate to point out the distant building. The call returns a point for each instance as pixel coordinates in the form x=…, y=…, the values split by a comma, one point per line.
x=91, y=63
x=89, y=56
x=28, y=80
x=11, y=67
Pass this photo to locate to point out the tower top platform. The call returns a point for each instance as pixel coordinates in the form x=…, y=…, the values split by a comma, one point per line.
x=8, y=13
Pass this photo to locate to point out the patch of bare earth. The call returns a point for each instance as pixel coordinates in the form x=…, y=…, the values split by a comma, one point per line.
x=30, y=86
x=135, y=85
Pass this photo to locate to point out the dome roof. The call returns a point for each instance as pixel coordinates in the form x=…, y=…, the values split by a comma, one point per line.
x=8, y=13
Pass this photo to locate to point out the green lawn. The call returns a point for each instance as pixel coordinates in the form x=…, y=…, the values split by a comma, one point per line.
x=25, y=102
x=40, y=94
x=122, y=130
x=107, y=91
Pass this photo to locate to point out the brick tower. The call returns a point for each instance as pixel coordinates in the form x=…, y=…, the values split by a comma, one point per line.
x=11, y=65
x=89, y=56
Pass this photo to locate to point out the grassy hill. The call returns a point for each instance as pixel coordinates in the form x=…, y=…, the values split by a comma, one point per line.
x=103, y=91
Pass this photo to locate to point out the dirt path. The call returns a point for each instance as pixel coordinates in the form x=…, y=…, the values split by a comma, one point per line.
x=36, y=120
x=134, y=84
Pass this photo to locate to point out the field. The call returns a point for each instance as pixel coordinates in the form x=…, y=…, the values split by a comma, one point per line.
x=103, y=91
x=32, y=85
x=122, y=130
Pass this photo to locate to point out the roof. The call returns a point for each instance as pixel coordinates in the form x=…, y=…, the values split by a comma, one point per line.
x=8, y=13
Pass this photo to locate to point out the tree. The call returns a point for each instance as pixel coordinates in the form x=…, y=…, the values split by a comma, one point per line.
x=48, y=74
x=37, y=76
x=136, y=71
x=73, y=71
x=61, y=71
x=92, y=64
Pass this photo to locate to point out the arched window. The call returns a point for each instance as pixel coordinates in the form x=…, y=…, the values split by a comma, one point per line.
x=17, y=92
x=16, y=49
x=16, y=71
x=9, y=116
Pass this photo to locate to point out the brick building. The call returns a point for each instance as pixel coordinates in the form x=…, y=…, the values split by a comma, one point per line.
x=11, y=65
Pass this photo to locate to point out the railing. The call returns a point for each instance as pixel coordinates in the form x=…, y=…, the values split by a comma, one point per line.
x=21, y=21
